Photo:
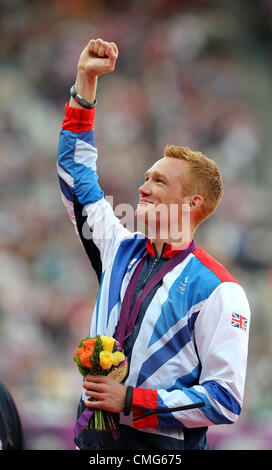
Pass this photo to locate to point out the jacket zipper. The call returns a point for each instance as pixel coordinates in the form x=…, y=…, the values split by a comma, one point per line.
x=154, y=264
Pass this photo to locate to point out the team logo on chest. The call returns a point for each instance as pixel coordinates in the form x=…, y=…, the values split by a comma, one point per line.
x=182, y=285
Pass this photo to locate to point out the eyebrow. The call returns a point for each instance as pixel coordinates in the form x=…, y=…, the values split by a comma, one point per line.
x=156, y=173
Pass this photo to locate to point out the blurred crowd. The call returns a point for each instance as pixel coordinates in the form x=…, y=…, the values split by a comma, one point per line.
x=193, y=73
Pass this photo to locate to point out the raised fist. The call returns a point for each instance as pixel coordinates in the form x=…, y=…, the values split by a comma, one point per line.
x=98, y=57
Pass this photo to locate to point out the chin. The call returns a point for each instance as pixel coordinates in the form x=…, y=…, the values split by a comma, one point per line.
x=145, y=210
x=146, y=218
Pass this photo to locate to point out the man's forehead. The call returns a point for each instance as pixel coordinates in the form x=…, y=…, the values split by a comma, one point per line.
x=167, y=165
x=158, y=165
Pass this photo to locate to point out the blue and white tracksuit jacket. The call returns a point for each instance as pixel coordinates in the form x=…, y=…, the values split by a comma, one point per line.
x=190, y=340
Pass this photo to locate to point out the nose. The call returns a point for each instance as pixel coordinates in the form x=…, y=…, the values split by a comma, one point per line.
x=144, y=188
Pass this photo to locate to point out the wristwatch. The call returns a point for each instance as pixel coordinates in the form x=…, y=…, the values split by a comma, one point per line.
x=81, y=100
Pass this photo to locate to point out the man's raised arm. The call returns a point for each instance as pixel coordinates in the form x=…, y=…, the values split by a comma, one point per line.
x=100, y=231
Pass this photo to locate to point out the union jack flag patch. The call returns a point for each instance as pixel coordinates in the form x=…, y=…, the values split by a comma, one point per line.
x=238, y=321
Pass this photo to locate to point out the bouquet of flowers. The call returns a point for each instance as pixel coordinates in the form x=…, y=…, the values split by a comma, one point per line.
x=101, y=355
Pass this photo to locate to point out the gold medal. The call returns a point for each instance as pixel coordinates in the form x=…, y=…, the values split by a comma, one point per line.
x=119, y=373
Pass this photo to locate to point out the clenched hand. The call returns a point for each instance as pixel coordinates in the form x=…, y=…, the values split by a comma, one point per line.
x=97, y=58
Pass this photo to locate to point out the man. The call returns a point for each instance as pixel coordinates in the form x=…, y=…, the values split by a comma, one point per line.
x=188, y=347
x=11, y=433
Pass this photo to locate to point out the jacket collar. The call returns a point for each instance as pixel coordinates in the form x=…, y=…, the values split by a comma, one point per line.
x=168, y=250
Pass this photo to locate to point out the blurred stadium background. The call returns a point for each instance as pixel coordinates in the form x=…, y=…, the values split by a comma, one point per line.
x=193, y=72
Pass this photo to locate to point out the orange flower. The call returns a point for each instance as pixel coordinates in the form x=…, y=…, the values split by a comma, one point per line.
x=86, y=351
x=89, y=345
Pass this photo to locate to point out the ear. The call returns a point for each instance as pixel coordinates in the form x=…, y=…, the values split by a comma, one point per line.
x=193, y=202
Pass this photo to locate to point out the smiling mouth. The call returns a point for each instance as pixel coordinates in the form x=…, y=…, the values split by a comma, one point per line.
x=144, y=201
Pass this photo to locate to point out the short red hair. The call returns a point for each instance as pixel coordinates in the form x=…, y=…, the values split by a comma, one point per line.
x=204, y=178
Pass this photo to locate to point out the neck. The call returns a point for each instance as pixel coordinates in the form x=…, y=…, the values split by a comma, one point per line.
x=159, y=244
x=159, y=241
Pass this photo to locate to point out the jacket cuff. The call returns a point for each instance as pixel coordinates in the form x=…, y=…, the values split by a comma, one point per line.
x=147, y=399
x=78, y=120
